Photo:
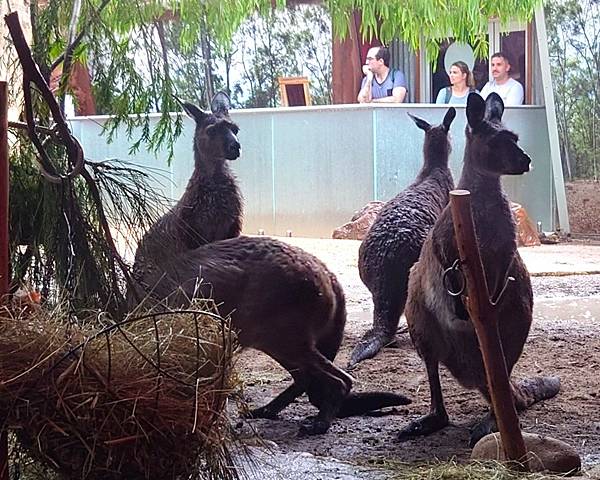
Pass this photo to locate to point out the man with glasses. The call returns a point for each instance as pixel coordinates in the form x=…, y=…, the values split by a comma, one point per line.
x=381, y=84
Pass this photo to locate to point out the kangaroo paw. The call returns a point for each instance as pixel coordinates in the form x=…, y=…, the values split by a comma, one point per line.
x=314, y=426
x=368, y=346
x=424, y=426
x=261, y=412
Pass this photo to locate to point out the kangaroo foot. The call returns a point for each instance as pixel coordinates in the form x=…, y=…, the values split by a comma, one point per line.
x=532, y=390
x=369, y=345
x=482, y=428
x=261, y=412
x=424, y=426
x=314, y=426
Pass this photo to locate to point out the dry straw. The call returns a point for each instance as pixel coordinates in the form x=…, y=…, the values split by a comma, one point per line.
x=140, y=399
x=451, y=470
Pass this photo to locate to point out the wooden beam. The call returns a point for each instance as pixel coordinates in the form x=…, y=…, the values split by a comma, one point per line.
x=4, y=250
x=346, y=64
x=484, y=317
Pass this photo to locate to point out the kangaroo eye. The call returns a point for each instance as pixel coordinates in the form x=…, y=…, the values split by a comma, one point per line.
x=235, y=129
x=211, y=131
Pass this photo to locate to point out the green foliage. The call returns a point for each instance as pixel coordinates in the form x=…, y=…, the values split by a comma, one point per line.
x=57, y=242
x=574, y=43
x=431, y=20
x=131, y=69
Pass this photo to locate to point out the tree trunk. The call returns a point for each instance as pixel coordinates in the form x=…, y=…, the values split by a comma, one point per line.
x=207, y=54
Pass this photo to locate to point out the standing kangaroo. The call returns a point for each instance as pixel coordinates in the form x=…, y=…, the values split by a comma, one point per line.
x=282, y=300
x=439, y=324
x=394, y=241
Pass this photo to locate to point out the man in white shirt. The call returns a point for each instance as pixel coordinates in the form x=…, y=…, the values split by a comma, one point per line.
x=508, y=88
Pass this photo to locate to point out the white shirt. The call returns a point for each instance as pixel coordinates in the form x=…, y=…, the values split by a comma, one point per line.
x=511, y=91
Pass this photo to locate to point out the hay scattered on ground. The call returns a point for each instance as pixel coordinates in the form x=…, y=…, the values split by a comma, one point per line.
x=452, y=470
x=139, y=399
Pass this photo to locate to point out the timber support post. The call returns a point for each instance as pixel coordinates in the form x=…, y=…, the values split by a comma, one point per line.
x=485, y=320
x=4, y=251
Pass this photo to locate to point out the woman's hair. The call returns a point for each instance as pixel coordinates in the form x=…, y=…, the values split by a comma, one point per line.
x=464, y=68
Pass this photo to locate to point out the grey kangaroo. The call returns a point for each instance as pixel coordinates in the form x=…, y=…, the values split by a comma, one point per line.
x=439, y=324
x=282, y=300
x=394, y=241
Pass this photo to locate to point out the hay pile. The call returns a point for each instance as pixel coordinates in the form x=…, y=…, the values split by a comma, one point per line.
x=141, y=399
x=451, y=470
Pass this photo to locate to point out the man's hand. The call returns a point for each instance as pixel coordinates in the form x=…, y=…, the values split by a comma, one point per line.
x=364, y=96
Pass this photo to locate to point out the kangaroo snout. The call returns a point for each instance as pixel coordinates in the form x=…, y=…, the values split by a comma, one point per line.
x=524, y=164
x=233, y=151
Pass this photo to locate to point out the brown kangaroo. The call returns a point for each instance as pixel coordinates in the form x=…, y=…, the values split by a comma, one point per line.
x=439, y=324
x=394, y=241
x=282, y=300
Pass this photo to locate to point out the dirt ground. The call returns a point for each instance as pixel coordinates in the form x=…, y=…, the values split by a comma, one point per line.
x=583, y=201
x=564, y=341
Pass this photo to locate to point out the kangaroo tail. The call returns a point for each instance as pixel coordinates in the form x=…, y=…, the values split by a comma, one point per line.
x=367, y=347
x=364, y=402
x=532, y=390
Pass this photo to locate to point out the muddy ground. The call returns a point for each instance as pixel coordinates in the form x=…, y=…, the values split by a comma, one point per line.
x=564, y=341
x=583, y=202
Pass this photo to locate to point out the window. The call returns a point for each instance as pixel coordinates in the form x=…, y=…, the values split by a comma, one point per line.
x=514, y=40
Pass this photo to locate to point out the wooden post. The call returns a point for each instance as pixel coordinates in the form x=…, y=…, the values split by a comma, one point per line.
x=4, y=253
x=484, y=317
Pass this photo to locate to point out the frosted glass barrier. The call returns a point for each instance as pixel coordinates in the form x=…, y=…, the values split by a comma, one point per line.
x=308, y=169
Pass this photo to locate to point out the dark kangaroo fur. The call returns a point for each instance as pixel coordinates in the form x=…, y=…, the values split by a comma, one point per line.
x=394, y=241
x=283, y=301
x=438, y=323
x=212, y=191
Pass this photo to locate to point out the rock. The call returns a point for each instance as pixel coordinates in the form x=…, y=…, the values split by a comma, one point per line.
x=545, y=453
x=359, y=224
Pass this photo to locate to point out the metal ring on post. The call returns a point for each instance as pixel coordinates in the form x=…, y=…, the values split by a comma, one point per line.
x=463, y=282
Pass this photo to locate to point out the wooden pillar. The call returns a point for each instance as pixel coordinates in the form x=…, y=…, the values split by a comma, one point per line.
x=347, y=64
x=4, y=252
x=484, y=317
x=80, y=87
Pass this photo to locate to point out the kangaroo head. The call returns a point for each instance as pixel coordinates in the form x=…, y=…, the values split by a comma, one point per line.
x=216, y=134
x=493, y=149
x=437, y=142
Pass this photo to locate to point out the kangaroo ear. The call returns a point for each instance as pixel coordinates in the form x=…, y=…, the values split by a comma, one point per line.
x=194, y=112
x=475, y=109
x=448, y=118
x=494, y=108
x=220, y=104
x=422, y=124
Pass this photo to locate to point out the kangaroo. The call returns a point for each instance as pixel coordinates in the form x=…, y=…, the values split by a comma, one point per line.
x=282, y=300
x=438, y=323
x=394, y=241
x=212, y=191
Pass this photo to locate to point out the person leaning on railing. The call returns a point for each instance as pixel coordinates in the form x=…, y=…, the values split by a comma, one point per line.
x=381, y=84
x=508, y=88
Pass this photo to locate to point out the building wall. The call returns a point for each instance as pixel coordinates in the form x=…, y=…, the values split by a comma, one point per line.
x=10, y=70
x=307, y=169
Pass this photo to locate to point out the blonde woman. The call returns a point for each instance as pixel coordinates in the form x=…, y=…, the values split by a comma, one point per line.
x=462, y=82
